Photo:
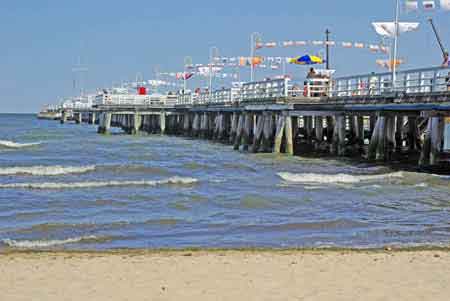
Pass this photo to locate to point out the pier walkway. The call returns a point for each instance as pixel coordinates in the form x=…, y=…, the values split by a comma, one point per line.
x=363, y=116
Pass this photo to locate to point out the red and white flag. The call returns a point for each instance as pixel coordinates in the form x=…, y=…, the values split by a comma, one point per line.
x=429, y=4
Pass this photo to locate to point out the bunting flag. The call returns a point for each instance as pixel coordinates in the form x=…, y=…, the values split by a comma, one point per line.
x=428, y=4
x=389, y=63
x=411, y=5
x=445, y=4
x=318, y=43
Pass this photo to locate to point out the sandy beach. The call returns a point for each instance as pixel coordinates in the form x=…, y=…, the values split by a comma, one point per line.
x=226, y=275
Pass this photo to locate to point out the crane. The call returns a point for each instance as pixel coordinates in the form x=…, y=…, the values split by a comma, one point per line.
x=438, y=38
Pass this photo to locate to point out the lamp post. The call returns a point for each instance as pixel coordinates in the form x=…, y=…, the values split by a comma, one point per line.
x=187, y=62
x=213, y=52
x=396, y=34
x=327, y=39
x=254, y=37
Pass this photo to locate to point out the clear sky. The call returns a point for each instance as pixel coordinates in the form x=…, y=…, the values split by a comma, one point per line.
x=41, y=39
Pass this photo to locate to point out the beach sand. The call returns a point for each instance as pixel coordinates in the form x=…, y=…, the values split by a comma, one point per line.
x=226, y=275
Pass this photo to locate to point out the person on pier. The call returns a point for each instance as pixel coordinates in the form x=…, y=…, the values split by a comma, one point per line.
x=446, y=62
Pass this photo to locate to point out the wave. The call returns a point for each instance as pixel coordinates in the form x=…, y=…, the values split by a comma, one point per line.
x=30, y=244
x=312, y=178
x=77, y=185
x=45, y=170
x=11, y=144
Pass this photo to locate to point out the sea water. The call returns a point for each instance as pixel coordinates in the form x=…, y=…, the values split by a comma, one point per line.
x=65, y=186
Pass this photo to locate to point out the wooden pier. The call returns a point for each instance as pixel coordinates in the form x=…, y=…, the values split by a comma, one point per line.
x=411, y=124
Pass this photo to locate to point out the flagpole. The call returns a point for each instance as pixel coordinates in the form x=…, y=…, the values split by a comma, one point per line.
x=394, y=61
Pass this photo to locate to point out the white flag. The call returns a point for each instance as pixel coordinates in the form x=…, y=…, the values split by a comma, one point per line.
x=445, y=4
x=411, y=5
x=387, y=29
x=429, y=4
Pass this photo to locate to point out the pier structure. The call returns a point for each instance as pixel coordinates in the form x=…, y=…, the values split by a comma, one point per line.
x=356, y=116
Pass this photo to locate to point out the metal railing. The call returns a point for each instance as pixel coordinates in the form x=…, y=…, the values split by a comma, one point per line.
x=260, y=91
x=426, y=80
x=139, y=100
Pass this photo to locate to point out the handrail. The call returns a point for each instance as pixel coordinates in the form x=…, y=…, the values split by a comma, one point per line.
x=424, y=80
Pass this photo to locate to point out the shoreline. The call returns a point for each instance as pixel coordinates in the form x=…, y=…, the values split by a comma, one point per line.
x=150, y=251
x=240, y=274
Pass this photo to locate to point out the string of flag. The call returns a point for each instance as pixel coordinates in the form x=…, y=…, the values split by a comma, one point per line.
x=427, y=5
x=318, y=43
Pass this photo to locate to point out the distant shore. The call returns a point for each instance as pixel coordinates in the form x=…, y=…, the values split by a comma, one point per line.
x=420, y=273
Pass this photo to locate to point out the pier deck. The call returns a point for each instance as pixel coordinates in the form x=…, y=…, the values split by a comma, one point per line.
x=360, y=117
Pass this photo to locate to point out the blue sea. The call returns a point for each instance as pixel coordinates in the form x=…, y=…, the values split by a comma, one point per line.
x=66, y=187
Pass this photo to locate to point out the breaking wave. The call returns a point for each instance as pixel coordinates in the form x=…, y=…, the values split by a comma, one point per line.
x=30, y=244
x=312, y=178
x=11, y=144
x=77, y=185
x=45, y=170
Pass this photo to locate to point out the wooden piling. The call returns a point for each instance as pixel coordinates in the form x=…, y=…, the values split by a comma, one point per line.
x=437, y=136
x=281, y=124
x=239, y=131
x=289, y=136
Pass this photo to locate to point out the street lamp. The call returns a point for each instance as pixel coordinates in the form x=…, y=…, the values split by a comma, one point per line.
x=394, y=63
x=187, y=62
x=213, y=52
x=254, y=38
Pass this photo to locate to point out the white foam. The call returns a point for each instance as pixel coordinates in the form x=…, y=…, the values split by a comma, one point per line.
x=311, y=178
x=77, y=185
x=29, y=244
x=11, y=144
x=45, y=170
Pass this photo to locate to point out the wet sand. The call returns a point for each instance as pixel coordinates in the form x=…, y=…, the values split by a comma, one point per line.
x=226, y=275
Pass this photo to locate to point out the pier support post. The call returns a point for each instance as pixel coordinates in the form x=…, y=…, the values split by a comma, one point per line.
x=93, y=118
x=381, y=139
x=338, y=143
x=137, y=124
x=257, y=137
x=412, y=133
x=78, y=118
x=222, y=127
x=319, y=128
x=105, y=123
x=186, y=124
x=289, y=136
x=234, y=125
x=330, y=129
x=437, y=136
x=426, y=146
x=281, y=123
x=239, y=130
x=196, y=125
x=63, y=117
x=268, y=132
x=390, y=137
x=248, y=124
x=162, y=123
x=308, y=124
x=399, y=126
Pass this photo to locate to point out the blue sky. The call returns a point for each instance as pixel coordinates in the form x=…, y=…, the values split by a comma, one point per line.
x=41, y=40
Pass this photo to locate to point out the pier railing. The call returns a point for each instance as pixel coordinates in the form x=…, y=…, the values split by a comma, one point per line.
x=137, y=100
x=265, y=90
x=257, y=91
x=424, y=80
